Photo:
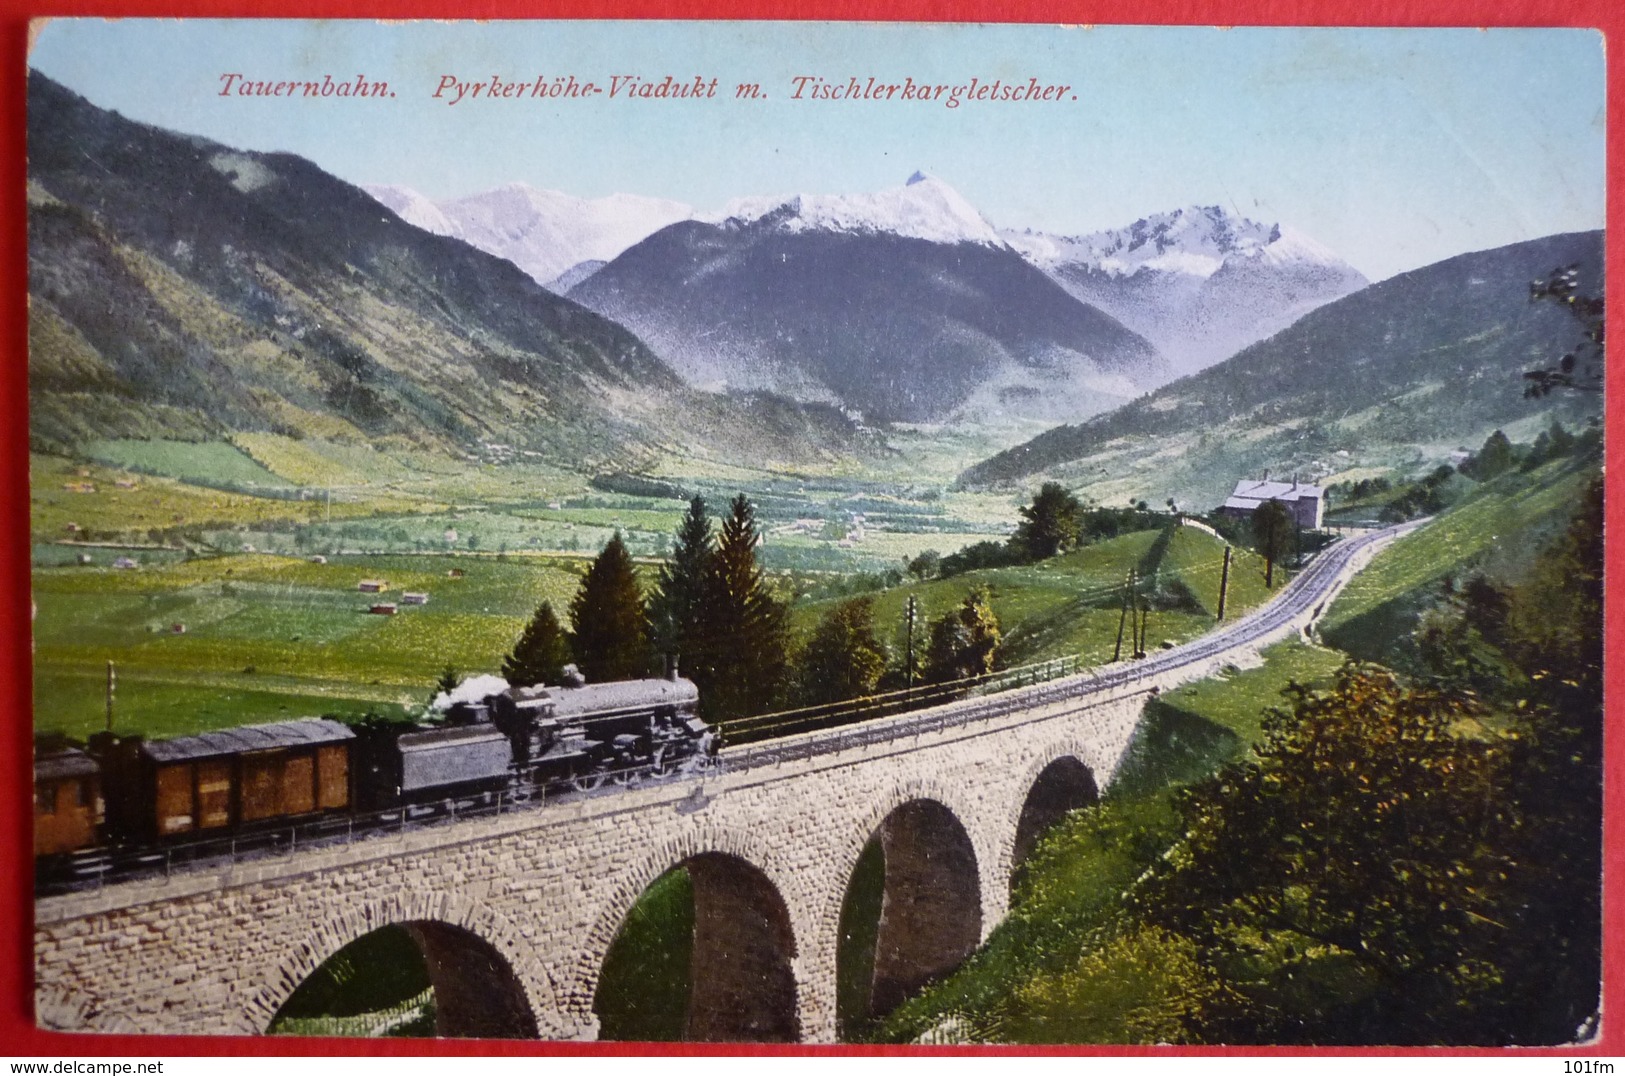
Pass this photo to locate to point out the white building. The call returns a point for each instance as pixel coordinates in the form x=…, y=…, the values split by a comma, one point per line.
x=1305, y=503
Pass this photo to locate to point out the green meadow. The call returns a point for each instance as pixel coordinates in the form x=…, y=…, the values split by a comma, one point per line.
x=228, y=618
x=266, y=636
x=1497, y=529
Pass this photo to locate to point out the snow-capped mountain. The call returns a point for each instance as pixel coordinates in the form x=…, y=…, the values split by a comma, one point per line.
x=923, y=208
x=904, y=305
x=545, y=233
x=413, y=208
x=1200, y=283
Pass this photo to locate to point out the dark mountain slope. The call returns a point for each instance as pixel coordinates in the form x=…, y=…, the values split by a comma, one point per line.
x=1431, y=356
x=180, y=286
x=900, y=328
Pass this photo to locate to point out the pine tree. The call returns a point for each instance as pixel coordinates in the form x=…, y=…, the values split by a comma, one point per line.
x=541, y=652
x=843, y=660
x=611, y=636
x=446, y=684
x=964, y=643
x=1051, y=524
x=1496, y=457
x=741, y=668
x=677, y=608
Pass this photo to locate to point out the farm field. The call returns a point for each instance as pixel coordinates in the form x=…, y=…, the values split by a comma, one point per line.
x=267, y=637
x=199, y=463
x=222, y=536
x=291, y=496
x=208, y=642
x=227, y=619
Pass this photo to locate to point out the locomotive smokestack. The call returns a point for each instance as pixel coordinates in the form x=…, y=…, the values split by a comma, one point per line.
x=671, y=665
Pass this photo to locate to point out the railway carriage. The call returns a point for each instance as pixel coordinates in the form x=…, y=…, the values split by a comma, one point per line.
x=257, y=780
x=68, y=806
x=221, y=782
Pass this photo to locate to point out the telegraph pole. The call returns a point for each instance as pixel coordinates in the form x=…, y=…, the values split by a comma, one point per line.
x=913, y=610
x=111, y=680
x=1143, y=608
x=1122, y=621
x=1224, y=581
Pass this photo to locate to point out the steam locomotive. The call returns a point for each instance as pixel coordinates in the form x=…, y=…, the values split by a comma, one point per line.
x=129, y=793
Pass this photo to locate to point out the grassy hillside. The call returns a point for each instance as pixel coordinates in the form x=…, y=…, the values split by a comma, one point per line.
x=1496, y=529
x=1071, y=605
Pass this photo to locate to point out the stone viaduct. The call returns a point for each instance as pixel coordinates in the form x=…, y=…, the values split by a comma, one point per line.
x=515, y=913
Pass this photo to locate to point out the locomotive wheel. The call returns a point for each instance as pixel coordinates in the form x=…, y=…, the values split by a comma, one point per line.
x=586, y=782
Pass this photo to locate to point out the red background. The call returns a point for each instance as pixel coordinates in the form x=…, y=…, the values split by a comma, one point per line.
x=18, y=1035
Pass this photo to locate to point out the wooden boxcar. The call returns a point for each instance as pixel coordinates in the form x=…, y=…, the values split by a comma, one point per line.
x=68, y=809
x=219, y=782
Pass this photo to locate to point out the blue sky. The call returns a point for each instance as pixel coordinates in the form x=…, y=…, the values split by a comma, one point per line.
x=1395, y=148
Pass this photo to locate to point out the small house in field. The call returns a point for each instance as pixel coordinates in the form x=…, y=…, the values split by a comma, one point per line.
x=318, y=559
x=73, y=528
x=84, y=558
x=372, y=586
x=125, y=562
x=177, y=629
x=413, y=597
x=455, y=573
x=383, y=609
x=1304, y=503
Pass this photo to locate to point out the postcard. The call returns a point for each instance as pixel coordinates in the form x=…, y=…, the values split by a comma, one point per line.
x=817, y=532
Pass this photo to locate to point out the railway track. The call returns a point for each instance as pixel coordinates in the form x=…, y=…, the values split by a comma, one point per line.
x=1311, y=587
x=1310, y=590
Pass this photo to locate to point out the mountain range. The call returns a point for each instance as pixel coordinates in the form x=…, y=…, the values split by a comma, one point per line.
x=1400, y=372
x=182, y=288
x=1200, y=283
x=1195, y=284
x=903, y=305
x=545, y=233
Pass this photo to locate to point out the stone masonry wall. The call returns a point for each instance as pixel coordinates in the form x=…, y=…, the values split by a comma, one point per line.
x=219, y=951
